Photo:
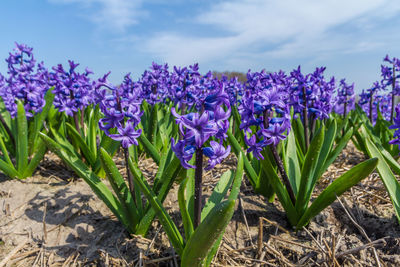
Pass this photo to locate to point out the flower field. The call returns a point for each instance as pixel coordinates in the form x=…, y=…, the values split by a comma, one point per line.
x=182, y=168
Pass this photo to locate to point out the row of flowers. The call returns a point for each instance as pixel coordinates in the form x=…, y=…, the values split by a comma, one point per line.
x=285, y=130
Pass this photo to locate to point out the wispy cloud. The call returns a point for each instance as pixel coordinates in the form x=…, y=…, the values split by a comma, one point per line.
x=115, y=15
x=263, y=29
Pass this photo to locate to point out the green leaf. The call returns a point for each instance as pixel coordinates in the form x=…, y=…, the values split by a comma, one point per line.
x=338, y=187
x=120, y=189
x=37, y=158
x=8, y=169
x=387, y=177
x=203, y=238
x=39, y=119
x=237, y=181
x=280, y=190
x=337, y=150
x=325, y=151
x=186, y=219
x=99, y=188
x=307, y=172
x=89, y=155
x=219, y=193
x=5, y=152
x=150, y=149
x=237, y=149
x=166, y=221
x=92, y=132
x=22, y=138
x=298, y=129
x=190, y=188
x=292, y=163
x=152, y=130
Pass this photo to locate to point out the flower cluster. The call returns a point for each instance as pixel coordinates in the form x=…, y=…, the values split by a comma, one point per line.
x=370, y=99
x=391, y=74
x=23, y=82
x=154, y=83
x=312, y=91
x=121, y=109
x=183, y=82
x=73, y=90
x=197, y=128
x=345, y=98
x=264, y=105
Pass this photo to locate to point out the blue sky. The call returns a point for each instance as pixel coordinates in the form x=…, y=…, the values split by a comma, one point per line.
x=349, y=37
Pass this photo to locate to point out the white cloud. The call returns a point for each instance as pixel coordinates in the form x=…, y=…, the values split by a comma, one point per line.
x=263, y=29
x=114, y=15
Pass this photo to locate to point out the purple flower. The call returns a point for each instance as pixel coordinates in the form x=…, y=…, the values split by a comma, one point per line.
x=24, y=83
x=183, y=152
x=199, y=127
x=274, y=134
x=264, y=109
x=127, y=135
x=121, y=109
x=254, y=147
x=216, y=153
x=71, y=87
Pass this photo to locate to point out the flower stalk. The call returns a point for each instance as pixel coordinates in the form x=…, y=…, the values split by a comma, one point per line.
x=284, y=176
x=198, y=184
x=371, y=100
x=305, y=116
x=393, y=93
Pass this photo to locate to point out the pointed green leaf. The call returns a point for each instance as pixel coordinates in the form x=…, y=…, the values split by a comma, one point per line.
x=292, y=163
x=219, y=193
x=307, y=172
x=280, y=190
x=203, y=238
x=166, y=221
x=37, y=158
x=186, y=219
x=89, y=155
x=338, y=187
x=150, y=149
x=120, y=188
x=99, y=188
x=22, y=138
x=387, y=177
x=237, y=149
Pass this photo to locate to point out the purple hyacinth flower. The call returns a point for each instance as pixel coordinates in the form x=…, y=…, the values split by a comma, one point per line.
x=273, y=134
x=183, y=152
x=199, y=127
x=127, y=135
x=112, y=119
x=216, y=153
x=254, y=146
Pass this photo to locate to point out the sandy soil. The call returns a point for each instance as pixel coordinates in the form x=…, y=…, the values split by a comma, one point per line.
x=54, y=219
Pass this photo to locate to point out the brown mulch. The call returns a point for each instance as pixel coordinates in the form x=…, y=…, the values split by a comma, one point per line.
x=54, y=219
